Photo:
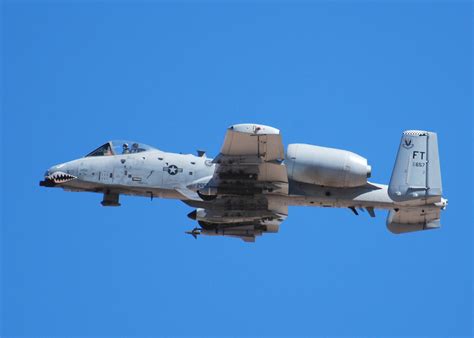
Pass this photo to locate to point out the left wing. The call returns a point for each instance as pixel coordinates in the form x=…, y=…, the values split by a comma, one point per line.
x=245, y=219
x=242, y=198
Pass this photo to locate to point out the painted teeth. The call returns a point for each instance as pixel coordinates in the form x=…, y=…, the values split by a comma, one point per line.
x=60, y=177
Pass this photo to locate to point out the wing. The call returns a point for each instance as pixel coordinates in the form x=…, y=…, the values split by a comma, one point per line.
x=244, y=197
x=250, y=162
x=253, y=140
x=243, y=218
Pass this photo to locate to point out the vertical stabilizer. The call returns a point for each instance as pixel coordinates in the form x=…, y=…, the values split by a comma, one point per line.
x=417, y=173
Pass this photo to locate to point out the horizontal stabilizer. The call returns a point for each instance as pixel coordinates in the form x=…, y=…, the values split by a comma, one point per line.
x=413, y=219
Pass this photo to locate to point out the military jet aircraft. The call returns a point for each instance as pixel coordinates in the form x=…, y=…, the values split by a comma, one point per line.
x=246, y=189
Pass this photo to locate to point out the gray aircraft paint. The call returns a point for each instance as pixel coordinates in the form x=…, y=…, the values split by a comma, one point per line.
x=245, y=191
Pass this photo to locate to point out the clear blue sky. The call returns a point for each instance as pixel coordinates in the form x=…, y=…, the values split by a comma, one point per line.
x=175, y=76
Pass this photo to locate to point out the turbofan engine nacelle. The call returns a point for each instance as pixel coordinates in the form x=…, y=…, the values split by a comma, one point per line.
x=326, y=166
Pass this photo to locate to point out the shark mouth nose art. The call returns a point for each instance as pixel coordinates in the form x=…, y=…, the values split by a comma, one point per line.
x=57, y=177
x=60, y=177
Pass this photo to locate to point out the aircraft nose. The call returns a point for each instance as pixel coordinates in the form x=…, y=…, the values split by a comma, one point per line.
x=57, y=174
x=61, y=167
x=51, y=170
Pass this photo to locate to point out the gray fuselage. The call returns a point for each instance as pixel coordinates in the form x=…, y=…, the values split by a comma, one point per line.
x=160, y=174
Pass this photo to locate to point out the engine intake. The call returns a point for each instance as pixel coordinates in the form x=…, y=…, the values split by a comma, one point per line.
x=326, y=166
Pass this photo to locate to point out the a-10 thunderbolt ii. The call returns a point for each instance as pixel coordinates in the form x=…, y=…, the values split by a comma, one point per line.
x=246, y=189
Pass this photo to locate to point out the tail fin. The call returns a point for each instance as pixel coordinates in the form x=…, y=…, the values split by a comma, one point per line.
x=416, y=182
x=417, y=173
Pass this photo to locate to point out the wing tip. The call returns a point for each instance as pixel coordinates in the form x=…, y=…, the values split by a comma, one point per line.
x=254, y=128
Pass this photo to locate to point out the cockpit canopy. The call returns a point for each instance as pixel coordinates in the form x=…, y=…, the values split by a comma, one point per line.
x=120, y=147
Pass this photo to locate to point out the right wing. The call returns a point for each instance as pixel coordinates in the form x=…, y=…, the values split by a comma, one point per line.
x=241, y=200
x=250, y=162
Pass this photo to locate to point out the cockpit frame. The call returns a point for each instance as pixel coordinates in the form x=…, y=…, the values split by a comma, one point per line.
x=119, y=147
